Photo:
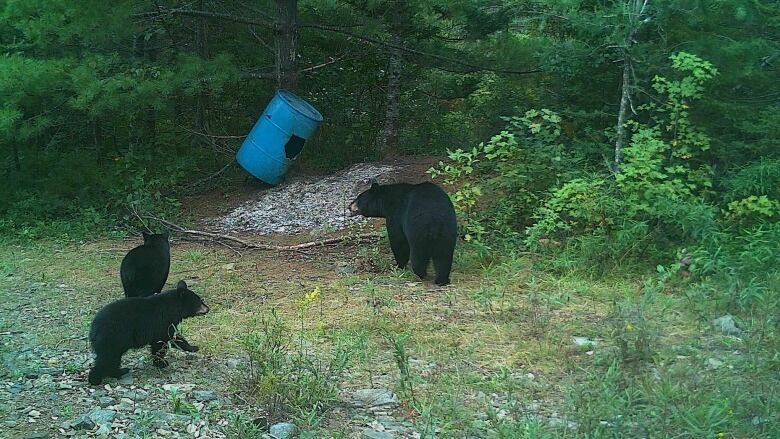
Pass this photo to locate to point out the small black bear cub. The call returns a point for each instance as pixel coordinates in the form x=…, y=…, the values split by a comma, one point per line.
x=421, y=224
x=136, y=322
x=144, y=269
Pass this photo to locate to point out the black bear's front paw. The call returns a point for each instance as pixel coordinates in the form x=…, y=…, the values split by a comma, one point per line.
x=192, y=348
x=161, y=363
x=121, y=372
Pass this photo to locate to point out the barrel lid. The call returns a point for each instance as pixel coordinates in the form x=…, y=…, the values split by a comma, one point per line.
x=300, y=105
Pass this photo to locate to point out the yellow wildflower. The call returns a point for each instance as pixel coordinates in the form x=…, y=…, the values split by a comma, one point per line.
x=310, y=298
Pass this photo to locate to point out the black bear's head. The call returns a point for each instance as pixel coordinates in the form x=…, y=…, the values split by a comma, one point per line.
x=191, y=304
x=368, y=203
x=156, y=239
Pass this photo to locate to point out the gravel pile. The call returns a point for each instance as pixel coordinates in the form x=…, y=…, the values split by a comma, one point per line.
x=303, y=204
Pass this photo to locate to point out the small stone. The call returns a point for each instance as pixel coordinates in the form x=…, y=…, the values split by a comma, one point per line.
x=283, y=430
x=556, y=422
x=373, y=434
x=105, y=401
x=34, y=413
x=374, y=398
x=584, y=341
x=233, y=362
x=204, y=395
x=388, y=423
x=714, y=363
x=37, y=435
x=103, y=431
x=345, y=269
x=179, y=388
x=102, y=416
x=137, y=395
x=15, y=388
x=727, y=325
x=127, y=379
x=83, y=422
x=53, y=371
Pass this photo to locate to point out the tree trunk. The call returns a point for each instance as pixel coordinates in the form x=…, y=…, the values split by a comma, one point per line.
x=636, y=11
x=285, y=44
x=625, y=96
x=201, y=43
x=387, y=139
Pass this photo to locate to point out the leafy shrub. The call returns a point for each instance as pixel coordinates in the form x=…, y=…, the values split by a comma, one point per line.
x=515, y=167
x=285, y=378
x=657, y=199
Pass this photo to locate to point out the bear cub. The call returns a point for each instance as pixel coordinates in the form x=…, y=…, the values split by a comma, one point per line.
x=421, y=224
x=144, y=269
x=136, y=322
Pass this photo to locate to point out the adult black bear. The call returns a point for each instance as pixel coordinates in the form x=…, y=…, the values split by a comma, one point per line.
x=136, y=322
x=144, y=269
x=421, y=224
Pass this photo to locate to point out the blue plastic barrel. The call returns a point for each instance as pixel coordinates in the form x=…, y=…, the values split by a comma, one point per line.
x=278, y=137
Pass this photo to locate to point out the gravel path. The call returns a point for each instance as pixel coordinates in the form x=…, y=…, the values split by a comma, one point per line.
x=303, y=204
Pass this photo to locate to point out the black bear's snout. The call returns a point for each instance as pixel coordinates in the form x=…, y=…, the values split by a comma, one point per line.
x=353, y=209
x=202, y=310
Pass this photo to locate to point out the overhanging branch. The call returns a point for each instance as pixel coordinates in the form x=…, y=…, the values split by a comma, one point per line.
x=469, y=67
x=206, y=14
x=473, y=67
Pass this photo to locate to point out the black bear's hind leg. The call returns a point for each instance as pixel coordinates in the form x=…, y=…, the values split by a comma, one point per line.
x=105, y=365
x=180, y=343
x=158, y=354
x=442, y=263
x=420, y=258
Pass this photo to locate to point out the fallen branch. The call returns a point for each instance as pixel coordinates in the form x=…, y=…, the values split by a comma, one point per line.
x=218, y=237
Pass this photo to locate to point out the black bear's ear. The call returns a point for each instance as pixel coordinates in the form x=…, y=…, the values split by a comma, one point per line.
x=145, y=235
x=181, y=285
x=166, y=234
x=374, y=186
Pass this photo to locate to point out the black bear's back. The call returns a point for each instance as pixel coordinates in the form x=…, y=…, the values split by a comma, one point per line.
x=144, y=271
x=117, y=324
x=428, y=213
x=133, y=322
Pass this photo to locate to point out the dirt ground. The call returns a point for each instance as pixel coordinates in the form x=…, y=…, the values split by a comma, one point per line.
x=494, y=345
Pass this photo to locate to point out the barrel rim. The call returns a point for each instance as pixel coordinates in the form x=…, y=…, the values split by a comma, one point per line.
x=294, y=100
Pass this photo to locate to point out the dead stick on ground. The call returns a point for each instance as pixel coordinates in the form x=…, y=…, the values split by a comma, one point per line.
x=296, y=247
